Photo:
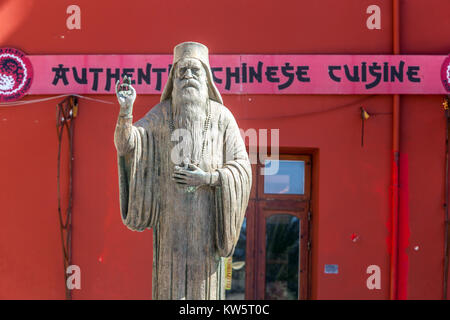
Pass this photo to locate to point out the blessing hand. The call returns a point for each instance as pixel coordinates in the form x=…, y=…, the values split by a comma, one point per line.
x=126, y=95
x=192, y=176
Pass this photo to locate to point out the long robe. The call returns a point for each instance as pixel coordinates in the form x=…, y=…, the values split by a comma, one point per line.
x=192, y=231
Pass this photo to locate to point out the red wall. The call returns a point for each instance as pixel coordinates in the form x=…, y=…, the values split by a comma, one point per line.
x=351, y=186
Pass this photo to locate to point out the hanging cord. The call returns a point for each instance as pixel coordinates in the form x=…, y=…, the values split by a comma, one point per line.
x=66, y=111
x=312, y=113
x=24, y=102
x=364, y=117
x=446, y=225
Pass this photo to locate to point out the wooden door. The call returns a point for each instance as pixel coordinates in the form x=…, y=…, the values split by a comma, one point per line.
x=276, y=234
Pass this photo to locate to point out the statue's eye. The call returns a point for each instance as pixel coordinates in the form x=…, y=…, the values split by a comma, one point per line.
x=182, y=70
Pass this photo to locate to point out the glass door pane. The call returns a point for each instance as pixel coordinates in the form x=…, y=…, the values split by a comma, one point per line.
x=237, y=291
x=282, y=257
x=284, y=177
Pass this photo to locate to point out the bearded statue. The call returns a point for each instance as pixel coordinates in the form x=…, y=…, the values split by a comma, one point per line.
x=184, y=173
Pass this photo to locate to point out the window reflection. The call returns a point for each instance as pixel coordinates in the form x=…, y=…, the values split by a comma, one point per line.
x=289, y=179
x=237, y=291
x=282, y=257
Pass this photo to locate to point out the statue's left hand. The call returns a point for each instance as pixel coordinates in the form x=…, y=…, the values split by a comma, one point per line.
x=193, y=176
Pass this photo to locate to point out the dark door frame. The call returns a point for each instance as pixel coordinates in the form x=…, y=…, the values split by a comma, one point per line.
x=262, y=206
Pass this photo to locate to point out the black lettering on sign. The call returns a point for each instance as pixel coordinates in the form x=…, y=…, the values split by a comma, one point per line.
x=158, y=72
x=412, y=73
x=255, y=75
x=244, y=73
x=83, y=79
x=385, y=72
x=331, y=70
x=129, y=73
x=302, y=72
x=271, y=72
x=95, y=71
x=352, y=77
x=111, y=75
x=230, y=75
x=146, y=76
x=289, y=75
x=397, y=74
x=373, y=70
x=364, y=71
x=60, y=74
x=213, y=71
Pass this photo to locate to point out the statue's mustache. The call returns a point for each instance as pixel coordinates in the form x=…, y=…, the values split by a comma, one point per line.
x=186, y=83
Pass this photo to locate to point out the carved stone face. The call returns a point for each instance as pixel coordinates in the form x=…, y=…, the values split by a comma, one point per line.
x=190, y=83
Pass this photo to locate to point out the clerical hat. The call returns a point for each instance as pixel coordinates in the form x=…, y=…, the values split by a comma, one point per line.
x=197, y=51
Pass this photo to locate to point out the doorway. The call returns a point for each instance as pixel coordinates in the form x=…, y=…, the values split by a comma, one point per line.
x=272, y=257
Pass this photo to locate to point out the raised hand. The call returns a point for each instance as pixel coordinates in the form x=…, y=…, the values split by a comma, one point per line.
x=126, y=95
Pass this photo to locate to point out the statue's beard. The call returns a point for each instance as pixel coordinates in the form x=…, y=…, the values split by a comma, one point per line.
x=189, y=98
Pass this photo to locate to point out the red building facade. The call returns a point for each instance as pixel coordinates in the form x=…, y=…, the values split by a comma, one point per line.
x=352, y=190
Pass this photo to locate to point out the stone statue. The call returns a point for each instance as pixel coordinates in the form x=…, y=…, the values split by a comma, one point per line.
x=184, y=172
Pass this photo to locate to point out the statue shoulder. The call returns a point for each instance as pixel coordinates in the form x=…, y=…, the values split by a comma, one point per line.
x=156, y=114
x=224, y=115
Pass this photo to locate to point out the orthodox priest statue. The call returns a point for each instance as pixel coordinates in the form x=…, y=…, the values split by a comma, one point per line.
x=184, y=172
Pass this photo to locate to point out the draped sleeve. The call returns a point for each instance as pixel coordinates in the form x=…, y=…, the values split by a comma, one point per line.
x=139, y=196
x=233, y=193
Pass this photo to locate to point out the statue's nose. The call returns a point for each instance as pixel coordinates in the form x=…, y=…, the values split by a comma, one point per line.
x=188, y=74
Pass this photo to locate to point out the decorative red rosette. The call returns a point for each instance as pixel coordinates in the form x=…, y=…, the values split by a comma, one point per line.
x=16, y=74
x=445, y=74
